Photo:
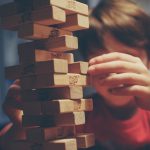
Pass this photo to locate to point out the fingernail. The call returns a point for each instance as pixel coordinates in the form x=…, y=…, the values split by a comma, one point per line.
x=91, y=68
x=91, y=62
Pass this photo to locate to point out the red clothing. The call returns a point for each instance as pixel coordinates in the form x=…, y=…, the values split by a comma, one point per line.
x=126, y=134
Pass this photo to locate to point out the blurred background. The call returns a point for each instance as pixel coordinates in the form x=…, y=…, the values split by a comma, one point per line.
x=8, y=50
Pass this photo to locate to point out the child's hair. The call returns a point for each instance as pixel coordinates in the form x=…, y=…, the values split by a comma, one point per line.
x=124, y=19
x=89, y=40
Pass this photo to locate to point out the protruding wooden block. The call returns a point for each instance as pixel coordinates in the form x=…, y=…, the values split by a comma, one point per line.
x=58, y=44
x=85, y=140
x=63, y=144
x=38, y=120
x=78, y=67
x=44, y=81
x=29, y=56
x=77, y=79
x=75, y=118
x=49, y=16
x=12, y=72
x=57, y=106
x=83, y=105
x=52, y=80
x=70, y=6
x=45, y=67
x=73, y=92
x=66, y=106
x=39, y=134
x=34, y=31
x=75, y=22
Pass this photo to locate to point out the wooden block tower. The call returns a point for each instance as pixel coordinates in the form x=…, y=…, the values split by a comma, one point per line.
x=52, y=83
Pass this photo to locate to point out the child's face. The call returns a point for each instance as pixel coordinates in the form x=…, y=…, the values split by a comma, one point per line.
x=112, y=45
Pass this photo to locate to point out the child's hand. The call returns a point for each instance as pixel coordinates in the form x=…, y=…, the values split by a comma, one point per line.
x=122, y=75
x=12, y=107
x=13, y=103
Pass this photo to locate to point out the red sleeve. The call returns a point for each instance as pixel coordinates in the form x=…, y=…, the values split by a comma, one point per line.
x=130, y=133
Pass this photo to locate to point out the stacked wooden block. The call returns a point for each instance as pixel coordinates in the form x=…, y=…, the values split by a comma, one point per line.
x=52, y=83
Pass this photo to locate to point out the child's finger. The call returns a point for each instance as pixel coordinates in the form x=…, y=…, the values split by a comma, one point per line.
x=115, y=67
x=113, y=57
x=13, y=96
x=135, y=90
x=17, y=82
x=125, y=78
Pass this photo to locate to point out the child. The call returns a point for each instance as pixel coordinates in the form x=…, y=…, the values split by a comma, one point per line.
x=118, y=49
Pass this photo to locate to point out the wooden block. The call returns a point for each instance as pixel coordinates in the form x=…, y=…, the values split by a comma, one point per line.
x=40, y=135
x=85, y=140
x=11, y=22
x=63, y=144
x=45, y=67
x=14, y=21
x=57, y=106
x=44, y=81
x=75, y=118
x=49, y=16
x=67, y=56
x=32, y=108
x=70, y=6
x=8, y=9
x=34, y=31
x=58, y=44
x=73, y=92
x=83, y=105
x=77, y=79
x=66, y=106
x=52, y=80
x=29, y=56
x=38, y=120
x=78, y=67
x=12, y=72
x=75, y=22
x=24, y=145
x=13, y=8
